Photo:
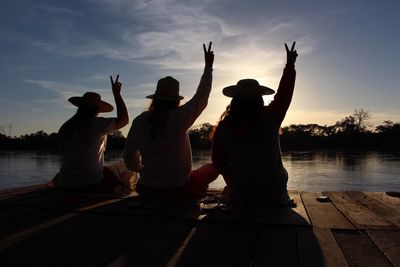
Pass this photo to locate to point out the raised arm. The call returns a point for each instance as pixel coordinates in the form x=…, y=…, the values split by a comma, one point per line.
x=283, y=96
x=122, y=112
x=193, y=108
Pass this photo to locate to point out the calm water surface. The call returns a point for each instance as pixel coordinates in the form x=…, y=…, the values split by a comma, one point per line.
x=311, y=171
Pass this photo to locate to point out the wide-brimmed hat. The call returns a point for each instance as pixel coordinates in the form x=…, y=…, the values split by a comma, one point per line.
x=167, y=90
x=91, y=99
x=247, y=88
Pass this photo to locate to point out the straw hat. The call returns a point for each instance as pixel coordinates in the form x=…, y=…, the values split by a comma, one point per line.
x=247, y=88
x=167, y=90
x=91, y=99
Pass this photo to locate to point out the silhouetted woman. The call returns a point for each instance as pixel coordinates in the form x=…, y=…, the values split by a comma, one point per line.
x=246, y=148
x=82, y=142
x=158, y=144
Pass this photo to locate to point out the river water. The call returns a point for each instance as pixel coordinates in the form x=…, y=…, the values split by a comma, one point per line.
x=308, y=170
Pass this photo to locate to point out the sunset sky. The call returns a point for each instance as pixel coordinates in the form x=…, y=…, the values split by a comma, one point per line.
x=52, y=50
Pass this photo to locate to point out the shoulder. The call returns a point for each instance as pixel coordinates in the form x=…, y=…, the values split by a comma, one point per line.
x=141, y=117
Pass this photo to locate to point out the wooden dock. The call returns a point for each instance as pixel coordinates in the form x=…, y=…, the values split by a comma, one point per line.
x=41, y=228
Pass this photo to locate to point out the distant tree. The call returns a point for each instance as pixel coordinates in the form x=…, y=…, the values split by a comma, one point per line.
x=388, y=127
x=116, y=140
x=361, y=119
x=358, y=122
x=200, y=135
x=346, y=125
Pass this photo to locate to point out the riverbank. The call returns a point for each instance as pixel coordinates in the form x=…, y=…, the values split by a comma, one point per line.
x=40, y=228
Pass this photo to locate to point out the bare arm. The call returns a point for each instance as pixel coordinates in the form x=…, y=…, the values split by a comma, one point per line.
x=283, y=97
x=193, y=108
x=122, y=112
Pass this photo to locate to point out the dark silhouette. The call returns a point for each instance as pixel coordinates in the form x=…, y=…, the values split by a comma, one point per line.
x=158, y=144
x=82, y=141
x=246, y=148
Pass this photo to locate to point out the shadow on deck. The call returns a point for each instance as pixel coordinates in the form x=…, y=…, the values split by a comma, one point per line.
x=39, y=228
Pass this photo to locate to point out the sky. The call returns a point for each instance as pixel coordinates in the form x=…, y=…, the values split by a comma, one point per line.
x=52, y=50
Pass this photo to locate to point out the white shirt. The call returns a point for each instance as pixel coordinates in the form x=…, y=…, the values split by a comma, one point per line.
x=83, y=153
x=166, y=162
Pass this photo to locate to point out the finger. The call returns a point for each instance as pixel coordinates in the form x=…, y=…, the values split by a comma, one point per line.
x=204, y=48
x=112, y=81
x=116, y=80
x=294, y=43
x=287, y=48
x=209, y=47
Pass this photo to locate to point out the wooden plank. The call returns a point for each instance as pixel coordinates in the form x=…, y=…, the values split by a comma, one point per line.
x=84, y=240
x=382, y=210
x=41, y=223
x=8, y=193
x=22, y=198
x=359, y=215
x=214, y=244
x=389, y=243
x=331, y=253
x=160, y=245
x=277, y=246
x=23, y=222
x=387, y=199
x=359, y=249
x=299, y=209
x=309, y=249
x=324, y=214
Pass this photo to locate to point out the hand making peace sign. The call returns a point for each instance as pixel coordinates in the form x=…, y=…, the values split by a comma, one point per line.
x=291, y=54
x=116, y=86
x=208, y=55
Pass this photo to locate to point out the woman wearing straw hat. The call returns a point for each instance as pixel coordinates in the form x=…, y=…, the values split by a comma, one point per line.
x=246, y=148
x=82, y=141
x=158, y=144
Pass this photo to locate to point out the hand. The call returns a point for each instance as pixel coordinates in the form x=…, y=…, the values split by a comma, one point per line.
x=116, y=86
x=208, y=55
x=291, y=54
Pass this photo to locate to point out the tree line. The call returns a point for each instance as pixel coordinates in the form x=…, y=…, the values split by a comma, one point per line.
x=354, y=132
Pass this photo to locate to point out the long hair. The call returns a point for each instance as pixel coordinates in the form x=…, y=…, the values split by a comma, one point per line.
x=77, y=124
x=157, y=120
x=242, y=111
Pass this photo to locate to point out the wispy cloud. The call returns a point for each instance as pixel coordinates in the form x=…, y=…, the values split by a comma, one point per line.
x=170, y=36
x=63, y=91
x=20, y=105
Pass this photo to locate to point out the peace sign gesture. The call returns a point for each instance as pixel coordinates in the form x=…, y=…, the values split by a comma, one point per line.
x=208, y=55
x=116, y=86
x=291, y=54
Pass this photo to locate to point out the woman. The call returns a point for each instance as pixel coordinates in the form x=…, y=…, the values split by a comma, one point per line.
x=158, y=144
x=246, y=148
x=82, y=142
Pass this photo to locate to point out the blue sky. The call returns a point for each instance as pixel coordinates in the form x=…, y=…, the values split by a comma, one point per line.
x=52, y=50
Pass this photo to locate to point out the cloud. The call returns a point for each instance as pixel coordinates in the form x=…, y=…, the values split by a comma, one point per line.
x=61, y=10
x=168, y=34
x=20, y=104
x=63, y=91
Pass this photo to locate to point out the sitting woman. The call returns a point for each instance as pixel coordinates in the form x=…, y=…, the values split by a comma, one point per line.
x=82, y=142
x=158, y=144
x=246, y=148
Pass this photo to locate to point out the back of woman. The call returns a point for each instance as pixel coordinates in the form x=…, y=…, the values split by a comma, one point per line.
x=251, y=148
x=165, y=151
x=82, y=142
x=246, y=149
x=158, y=144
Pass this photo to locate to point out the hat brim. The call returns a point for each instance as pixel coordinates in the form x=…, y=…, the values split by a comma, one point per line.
x=101, y=106
x=165, y=98
x=237, y=91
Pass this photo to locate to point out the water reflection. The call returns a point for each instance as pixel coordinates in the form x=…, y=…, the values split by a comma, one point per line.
x=311, y=171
